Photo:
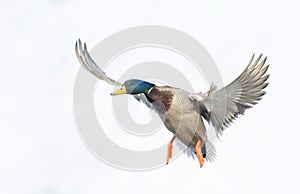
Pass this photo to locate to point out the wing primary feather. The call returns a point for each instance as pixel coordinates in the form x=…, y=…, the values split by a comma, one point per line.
x=225, y=105
x=88, y=63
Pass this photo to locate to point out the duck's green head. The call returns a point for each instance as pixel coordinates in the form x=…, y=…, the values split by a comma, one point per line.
x=134, y=86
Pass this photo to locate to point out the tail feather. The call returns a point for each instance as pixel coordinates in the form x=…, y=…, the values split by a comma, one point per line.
x=209, y=150
x=186, y=150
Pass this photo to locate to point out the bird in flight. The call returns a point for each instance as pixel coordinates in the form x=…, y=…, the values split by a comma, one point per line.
x=183, y=112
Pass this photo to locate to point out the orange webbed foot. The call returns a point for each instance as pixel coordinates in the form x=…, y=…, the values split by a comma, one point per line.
x=199, y=153
x=170, y=146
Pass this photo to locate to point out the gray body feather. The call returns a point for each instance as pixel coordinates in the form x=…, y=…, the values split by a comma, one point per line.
x=183, y=118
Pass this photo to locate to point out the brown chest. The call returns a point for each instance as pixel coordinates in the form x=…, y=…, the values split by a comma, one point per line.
x=161, y=98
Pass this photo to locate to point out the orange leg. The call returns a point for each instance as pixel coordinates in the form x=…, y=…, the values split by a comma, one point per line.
x=199, y=153
x=169, y=155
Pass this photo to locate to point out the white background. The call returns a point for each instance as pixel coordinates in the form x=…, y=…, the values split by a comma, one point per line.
x=41, y=151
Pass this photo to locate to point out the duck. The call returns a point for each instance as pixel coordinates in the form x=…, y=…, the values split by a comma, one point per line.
x=182, y=112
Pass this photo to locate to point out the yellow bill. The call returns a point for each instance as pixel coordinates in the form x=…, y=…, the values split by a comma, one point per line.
x=122, y=90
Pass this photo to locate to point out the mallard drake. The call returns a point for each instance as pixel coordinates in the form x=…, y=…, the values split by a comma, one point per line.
x=183, y=112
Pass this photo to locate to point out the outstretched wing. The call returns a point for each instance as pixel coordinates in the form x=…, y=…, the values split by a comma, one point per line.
x=221, y=107
x=88, y=63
